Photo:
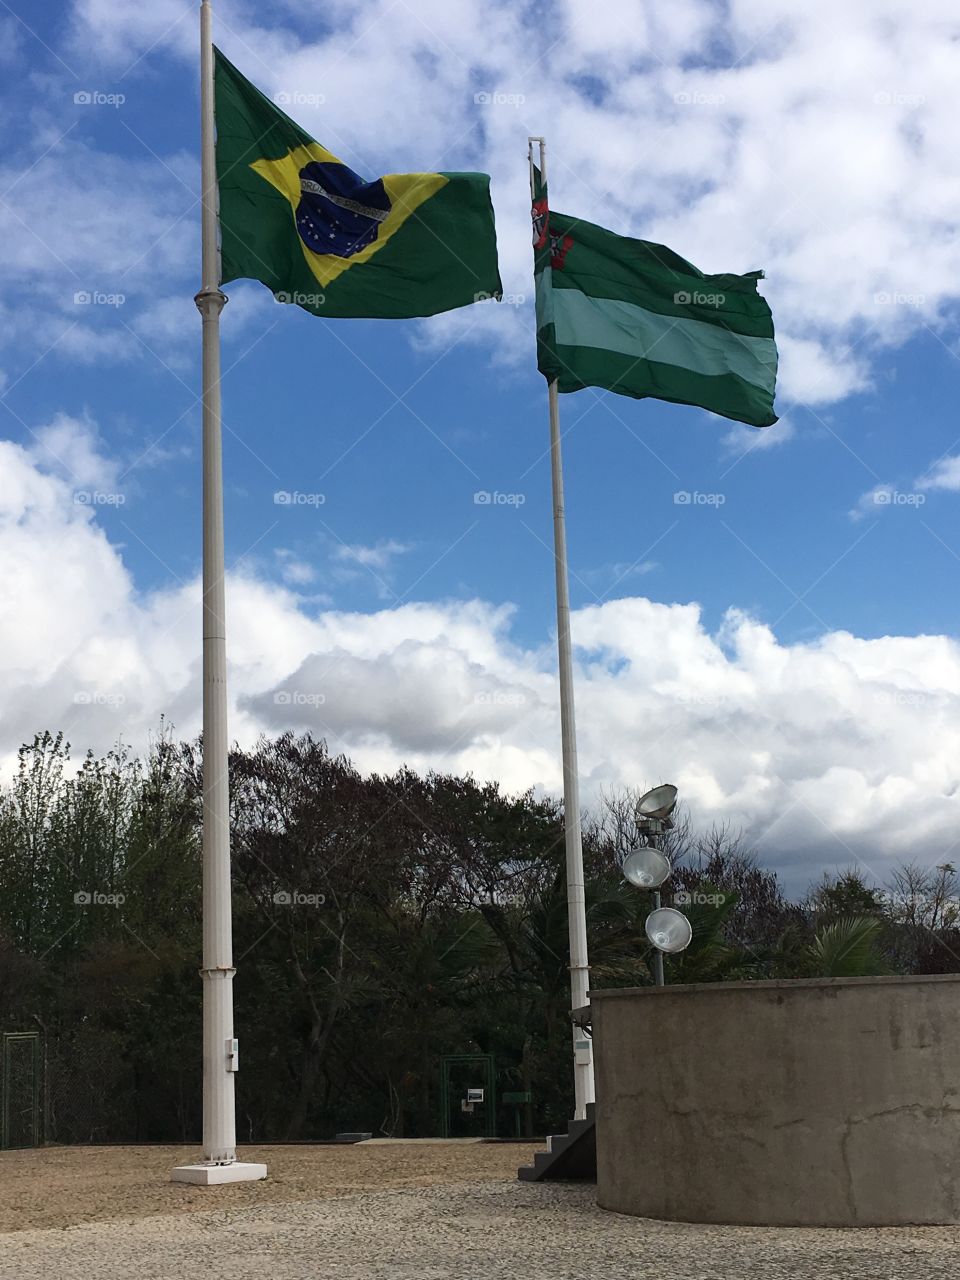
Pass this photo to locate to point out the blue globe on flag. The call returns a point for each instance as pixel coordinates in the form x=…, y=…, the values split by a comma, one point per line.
x=338, y=212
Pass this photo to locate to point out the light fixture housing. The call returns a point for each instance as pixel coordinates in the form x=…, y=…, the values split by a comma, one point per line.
x=669, y=930
x=646, y=867
x=660, y=802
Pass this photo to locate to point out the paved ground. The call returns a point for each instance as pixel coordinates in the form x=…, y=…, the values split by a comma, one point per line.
x=495, y=1228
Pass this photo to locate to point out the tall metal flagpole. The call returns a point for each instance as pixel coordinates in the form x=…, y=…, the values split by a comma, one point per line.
x=220, y=1050
x=576, y=905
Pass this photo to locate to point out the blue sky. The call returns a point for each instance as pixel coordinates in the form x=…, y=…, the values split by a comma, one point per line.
x=719, y=129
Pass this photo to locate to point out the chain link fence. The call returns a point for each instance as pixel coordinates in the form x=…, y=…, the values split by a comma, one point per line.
x=77, y=1086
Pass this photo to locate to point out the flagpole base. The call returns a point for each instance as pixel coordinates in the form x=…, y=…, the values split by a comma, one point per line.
x=211, y=1175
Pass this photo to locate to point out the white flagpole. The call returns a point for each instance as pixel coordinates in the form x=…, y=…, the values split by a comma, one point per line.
x=576, y=905
x=220, y=1057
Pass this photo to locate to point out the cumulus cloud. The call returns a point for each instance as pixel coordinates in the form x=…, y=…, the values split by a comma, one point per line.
x=944, y=474
x=837, y=749
x=70, y=447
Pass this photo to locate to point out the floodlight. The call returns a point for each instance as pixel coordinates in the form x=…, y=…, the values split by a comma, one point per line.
x=658, y=803
x=646, y=868
x=669, y=930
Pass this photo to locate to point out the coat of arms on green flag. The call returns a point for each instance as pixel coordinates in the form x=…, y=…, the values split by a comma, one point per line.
x=297, y=219
x=634, y=317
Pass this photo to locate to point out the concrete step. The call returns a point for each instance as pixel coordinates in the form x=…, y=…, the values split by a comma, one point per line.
x=570, y=1156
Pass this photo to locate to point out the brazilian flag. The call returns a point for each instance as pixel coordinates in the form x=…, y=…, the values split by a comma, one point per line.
x=295, y=218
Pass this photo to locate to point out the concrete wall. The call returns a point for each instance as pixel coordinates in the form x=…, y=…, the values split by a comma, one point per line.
x=829, y=1102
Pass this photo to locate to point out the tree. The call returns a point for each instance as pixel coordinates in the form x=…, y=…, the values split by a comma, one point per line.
x=847, y=947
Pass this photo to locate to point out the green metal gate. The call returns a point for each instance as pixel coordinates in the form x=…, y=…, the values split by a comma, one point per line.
x=20, y=1112
x=463, y=1075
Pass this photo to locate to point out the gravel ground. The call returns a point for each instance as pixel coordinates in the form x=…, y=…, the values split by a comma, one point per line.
x=66, y=1186
x=495, y=1227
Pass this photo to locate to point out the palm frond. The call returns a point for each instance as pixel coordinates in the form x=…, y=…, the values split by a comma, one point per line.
x=847, y=948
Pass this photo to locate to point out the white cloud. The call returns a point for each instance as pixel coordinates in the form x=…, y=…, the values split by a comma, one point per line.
x=944, y=474
x=740, y=440
x=816, y=141
x=71, y=447
x=885, y=497
x=838, y=748
x=372, y=565
x=11, y=39
x=294, y=571
x=83, y=294
x=818, y=371
x=822, y=150
x=375, y=557
x=872, y=502
x=815, y=144
x=128, y=223
x=129, y=33
x=612, y=578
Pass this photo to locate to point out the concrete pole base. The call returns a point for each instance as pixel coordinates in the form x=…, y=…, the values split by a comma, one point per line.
x=210, y=1175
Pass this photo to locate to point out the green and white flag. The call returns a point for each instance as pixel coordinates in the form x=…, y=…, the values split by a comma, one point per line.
x=634, y=317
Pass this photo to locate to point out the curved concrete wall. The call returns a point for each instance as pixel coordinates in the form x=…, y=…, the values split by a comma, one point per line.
x=831, y=1102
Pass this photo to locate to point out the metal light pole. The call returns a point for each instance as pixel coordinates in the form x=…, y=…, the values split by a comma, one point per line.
x=658, y=977
x=648, y=867
x=220, y=1050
